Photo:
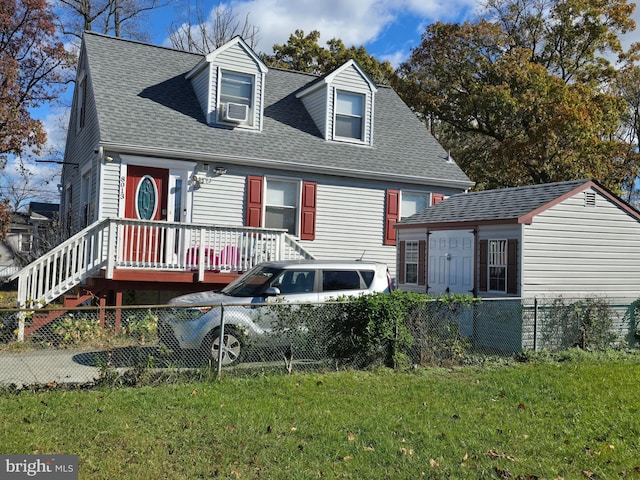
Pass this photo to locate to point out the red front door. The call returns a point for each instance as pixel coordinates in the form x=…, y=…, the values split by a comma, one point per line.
x=146, y=199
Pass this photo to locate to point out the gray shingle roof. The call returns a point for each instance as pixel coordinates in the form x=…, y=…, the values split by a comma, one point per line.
x=493, y=205
x=144, y=100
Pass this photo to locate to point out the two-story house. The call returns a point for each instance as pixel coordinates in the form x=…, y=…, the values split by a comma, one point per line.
x=183, y=170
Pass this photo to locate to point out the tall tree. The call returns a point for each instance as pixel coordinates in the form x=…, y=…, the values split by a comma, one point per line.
x=627, y=86
x=33, y=62
x=520, y=91
x=303, y=53
x=205, y=31
x=120, y=18
x=33, y=65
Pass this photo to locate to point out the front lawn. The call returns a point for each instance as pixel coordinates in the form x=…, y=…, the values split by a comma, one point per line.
x=577, y=418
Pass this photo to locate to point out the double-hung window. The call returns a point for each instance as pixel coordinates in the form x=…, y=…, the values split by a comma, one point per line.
x=411, y=262
x=497, y=265
x=413, y=203
x=349, y=117
x=236, y=88
x=281, y=206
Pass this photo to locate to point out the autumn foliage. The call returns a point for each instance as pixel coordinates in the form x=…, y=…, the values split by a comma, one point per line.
x=32, y=62
x=521, y=96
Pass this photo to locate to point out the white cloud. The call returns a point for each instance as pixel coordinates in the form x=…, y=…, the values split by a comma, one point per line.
x=355, y=22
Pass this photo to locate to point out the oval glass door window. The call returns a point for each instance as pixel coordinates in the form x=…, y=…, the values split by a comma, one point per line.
x=146, y=198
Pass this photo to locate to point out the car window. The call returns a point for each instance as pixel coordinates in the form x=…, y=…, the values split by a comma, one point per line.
x=367, y=276
x=333, y=280
x=295, y=281
x=252, y=284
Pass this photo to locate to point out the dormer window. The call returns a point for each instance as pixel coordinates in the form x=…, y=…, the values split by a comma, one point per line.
x=349, y=114
x=236, y=97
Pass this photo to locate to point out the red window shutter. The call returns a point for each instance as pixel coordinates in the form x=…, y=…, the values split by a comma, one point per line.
x=308, y=211
x=401, y=263
x=391, y=216
x=254, y=201
x=436, y=198
x=484, y=265
x=512, y=266
x=422, y=247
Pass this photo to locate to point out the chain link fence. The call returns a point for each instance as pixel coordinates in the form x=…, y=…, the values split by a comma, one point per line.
x=84, y=345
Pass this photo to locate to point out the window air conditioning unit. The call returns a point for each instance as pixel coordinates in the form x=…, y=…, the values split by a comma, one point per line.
x=235, y=112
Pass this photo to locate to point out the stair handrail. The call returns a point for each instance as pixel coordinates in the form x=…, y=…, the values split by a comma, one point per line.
x=74, y=276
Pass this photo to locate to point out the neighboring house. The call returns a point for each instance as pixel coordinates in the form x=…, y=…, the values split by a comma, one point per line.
x=30, y=234
x=571, y=239
x=183, y=170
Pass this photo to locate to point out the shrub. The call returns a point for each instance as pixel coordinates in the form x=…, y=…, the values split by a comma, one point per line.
x=397, y=329
x=142, y=326
x=71, y=330
x=586, y=323
x=435, y=327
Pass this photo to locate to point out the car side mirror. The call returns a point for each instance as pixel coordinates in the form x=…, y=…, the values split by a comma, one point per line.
x=272, y=292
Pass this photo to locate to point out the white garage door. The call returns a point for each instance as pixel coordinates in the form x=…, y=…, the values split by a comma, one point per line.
x=450, y=262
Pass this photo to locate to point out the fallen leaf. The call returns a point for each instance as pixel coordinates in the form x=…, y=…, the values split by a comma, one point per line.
x=294, y=429
x=194, y=392
x=231, y=427
x=521, y=406
x=433, y=463
x=351, y=437
x=347, y=458
x=609, y=447
x=588, y=474
x=369, y=449
x=494, y=454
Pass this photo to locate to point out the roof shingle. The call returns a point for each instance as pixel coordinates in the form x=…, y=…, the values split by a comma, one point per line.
x=143, y=99
x=493, y=205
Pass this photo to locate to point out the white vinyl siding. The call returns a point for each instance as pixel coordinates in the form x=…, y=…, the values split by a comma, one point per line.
x=76, y=152
x=316, y=104
x=349, y=224
x=577, y=250
x=222, y=201
x=200, y=84
x=110, y=197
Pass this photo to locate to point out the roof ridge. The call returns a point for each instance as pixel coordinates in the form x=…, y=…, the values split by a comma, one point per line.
x=532, y=186
x=141, y=43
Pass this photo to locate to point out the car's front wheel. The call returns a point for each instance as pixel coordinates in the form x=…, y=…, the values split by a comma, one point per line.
x=232, y=346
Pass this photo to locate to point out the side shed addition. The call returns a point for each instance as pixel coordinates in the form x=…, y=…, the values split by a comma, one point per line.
x=573, y=239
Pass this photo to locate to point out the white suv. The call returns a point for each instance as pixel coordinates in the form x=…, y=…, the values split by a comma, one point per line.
x=194, y=322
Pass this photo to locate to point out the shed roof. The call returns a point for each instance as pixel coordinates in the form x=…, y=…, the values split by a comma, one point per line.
x=145, y=103
x=506, y=205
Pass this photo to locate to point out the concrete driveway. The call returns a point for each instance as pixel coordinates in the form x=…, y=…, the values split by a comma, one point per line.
x=45, y=366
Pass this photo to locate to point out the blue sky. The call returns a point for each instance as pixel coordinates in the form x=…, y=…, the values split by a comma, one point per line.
x=388, y=28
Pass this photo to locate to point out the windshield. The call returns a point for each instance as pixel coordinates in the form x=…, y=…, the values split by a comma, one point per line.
x=252, y=284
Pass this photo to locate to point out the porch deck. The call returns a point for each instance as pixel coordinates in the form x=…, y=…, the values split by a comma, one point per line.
x=118, y=250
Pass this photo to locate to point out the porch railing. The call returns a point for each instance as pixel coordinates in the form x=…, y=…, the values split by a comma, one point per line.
x=112, y=244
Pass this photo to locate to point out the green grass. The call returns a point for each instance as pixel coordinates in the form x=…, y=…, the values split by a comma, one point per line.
x=579, y=418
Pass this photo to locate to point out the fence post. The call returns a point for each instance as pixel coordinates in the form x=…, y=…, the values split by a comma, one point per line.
x=220, y=342
x=535, y=324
